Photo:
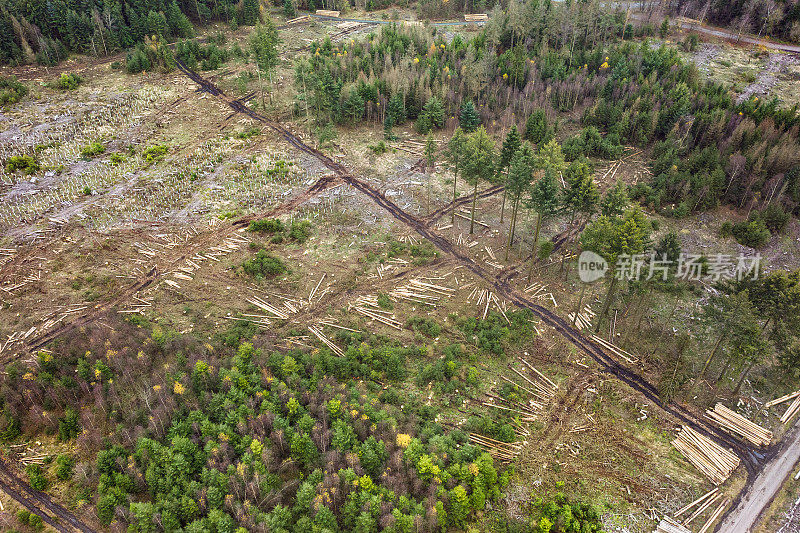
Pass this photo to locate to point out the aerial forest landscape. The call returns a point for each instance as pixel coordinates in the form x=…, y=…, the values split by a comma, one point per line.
x=323, y=266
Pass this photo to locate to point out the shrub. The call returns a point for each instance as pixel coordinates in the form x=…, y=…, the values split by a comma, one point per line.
x=92, y=149
x=36, y=522
x=272, y=225
x=27, y=164
x=424, y=325
x=775, y=218
x=68, y=82
x=65, y=467
x=300, y=230
x=264, y=265
x=69, y=426
x=378, y=149
x=36, y=476
x=11, y=91
x=752, y=233
x=155, y=152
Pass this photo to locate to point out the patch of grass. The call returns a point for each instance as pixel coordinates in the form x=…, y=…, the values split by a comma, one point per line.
x=264, y=265
x=246, y=134
x=384, y=302
x=300, y=231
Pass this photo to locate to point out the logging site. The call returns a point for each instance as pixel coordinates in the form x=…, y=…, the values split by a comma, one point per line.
x=530, y=266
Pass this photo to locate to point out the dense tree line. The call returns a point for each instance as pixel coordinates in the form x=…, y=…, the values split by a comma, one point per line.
x=46, y=31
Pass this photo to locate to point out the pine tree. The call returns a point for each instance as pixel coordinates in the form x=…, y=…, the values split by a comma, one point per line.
x=468, y=118
x=545, y=200
x=611, y=237
x=455, y=155
x=289, y=10
x=478, y=165
x=616, y=200
x=536, y=130
x=581, y=195
x=519, y=179
x=249, y=13
x=510, y=146
x=264, y=45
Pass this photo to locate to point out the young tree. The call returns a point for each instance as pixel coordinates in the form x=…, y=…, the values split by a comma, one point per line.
x=723, y=312
x=478, y=165
x=581, y=195
x=455, y=156
x=616, y=200
x=468, y=118
x=510, y=146
x=430, y=163
x=612, y=237
x=264, y=45
x=545, y=200
x=519, y=179
x=536, y=130
x=249, y=13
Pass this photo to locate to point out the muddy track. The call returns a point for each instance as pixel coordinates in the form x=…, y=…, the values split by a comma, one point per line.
x=679, y=412
x=39, y=503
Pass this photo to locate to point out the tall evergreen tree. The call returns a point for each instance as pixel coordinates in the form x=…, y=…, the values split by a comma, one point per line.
x=510, y=146
x=468, y=117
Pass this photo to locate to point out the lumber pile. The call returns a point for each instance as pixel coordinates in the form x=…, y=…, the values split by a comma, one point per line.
x=584, y=318
x=711, y=459
x=476, y=17
x=537, y=388
x=734, y=423
x=793, y=409
x=538, y=292
x=368, y=307
x=421, y=292
x=504, y=452
x=327, y=13
x=668, y=525
x=462, y=241
x=325, y=340
x=714, y=516
x=304, y=18
x=616, y=350
x=484, y=299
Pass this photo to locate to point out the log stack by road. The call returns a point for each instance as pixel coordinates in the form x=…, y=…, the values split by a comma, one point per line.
x=711, y=459
x=736, y=424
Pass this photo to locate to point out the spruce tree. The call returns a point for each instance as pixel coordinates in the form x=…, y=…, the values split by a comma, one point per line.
x=468, y=118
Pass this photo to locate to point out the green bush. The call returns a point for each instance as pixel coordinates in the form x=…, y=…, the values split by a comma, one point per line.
x=155, y=152
x=92, y=149
x=775, y=218
x=36, y=522
x=272, y=225
x=27, y=164
x=264, y=265
x=65, y=467
x=300, y=230
x=424, y=325
x=752, y=233
x=37, y=478
x=68, y=82
x=11, y=91
x=69, y=426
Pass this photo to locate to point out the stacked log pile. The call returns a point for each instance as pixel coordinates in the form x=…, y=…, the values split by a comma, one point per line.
x=793, y=409
x=711, y=459
x=668, y=525
x=734, y=423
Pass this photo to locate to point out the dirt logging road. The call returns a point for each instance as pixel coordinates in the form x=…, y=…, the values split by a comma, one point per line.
x=39, y=503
